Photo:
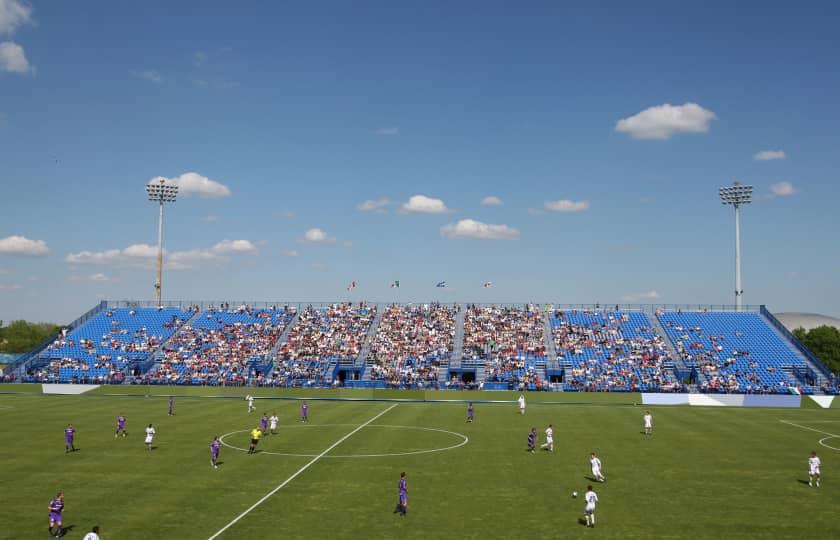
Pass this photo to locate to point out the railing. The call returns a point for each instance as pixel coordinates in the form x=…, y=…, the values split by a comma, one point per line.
x=647, y=308
x=824, y=371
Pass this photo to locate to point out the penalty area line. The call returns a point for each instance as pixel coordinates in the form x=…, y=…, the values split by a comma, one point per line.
x=289, y=479
x=808, y=428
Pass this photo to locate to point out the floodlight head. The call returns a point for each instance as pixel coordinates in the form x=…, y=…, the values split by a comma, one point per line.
x=736, y=194
x=161, y=191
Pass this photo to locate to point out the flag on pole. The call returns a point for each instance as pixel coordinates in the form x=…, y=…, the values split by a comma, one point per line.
x=488, y=284
x=441, y=284
x=395, y=284
x=351, y=286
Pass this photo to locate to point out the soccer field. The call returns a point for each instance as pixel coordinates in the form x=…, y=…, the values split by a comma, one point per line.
x=705, y=473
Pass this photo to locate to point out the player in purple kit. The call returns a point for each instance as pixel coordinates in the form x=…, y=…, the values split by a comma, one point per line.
x=120, y=426
x=56, y=507
x=69, y=435
x=470, y=413
x=402, y=504
x=304, y=412
x=532, y=440
x=215, y=447
x=264, y=422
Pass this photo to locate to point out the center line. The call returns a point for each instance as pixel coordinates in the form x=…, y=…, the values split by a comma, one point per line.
x=289, y=479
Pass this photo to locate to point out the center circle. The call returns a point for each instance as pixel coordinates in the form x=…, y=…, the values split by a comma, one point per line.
x=463, y=440
x=828, y=445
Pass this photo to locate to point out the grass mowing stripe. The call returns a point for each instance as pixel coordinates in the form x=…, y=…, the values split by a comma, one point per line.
x=289, y=479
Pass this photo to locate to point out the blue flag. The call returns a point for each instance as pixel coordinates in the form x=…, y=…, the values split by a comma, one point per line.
x=441, y=284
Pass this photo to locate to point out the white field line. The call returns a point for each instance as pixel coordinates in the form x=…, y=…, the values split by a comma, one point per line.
x=809, y=429
x=289, y=479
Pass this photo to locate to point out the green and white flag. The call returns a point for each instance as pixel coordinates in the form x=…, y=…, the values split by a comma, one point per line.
x=395, y=284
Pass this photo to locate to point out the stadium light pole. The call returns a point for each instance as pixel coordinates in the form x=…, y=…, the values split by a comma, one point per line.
x=736, y=195
x=160, y=192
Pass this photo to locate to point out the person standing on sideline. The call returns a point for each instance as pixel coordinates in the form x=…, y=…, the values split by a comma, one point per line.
x=648, y=423
x=521, y=401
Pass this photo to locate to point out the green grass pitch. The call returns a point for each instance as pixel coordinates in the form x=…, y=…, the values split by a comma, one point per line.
x=706, y=472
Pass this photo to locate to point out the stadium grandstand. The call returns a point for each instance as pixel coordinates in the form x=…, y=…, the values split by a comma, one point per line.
x=540, y=347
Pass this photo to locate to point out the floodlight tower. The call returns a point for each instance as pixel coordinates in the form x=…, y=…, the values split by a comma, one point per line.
x=160, y=192
x=736, y=195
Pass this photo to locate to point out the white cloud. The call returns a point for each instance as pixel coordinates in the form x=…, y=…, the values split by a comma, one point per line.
x=650, y=295
x=317, y=236
x=99, y=277
x=13, y=59
x=388, y=131
x=20, y=245
x=113, y=256
x=13, y=14
x=420, y=204
x=374, y=205
x=143, y=255
x=565, y=205
x=782, y=189
x=233, y=246
x=491, y=200
x=767, y=155
x=291, y=253
x=211, y=218
x=191, y=183
x=148, y=75
x=470, y=229
x=663, y=121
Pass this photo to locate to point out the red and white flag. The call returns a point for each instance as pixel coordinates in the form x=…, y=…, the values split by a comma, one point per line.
x=351, y=286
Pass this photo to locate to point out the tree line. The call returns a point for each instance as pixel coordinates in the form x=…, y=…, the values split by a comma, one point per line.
x=824, y=343
x=22, y=336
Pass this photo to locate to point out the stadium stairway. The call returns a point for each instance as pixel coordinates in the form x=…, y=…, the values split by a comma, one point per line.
x=458, y=345
x=284, y=336
x=550, y=363
x=679, y=363
x=361, y=361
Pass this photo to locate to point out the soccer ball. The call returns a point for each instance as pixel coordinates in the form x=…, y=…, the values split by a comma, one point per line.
x=574, y=494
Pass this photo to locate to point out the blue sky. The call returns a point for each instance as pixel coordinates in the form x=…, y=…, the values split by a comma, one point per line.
x=604, y=131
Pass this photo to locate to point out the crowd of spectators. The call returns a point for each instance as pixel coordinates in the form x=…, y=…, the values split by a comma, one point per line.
x=612, y=351
x=321, y=335
x=410, y=343
x=508, y=340
x=222, y=346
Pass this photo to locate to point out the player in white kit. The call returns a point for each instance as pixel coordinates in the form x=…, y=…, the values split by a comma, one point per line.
x=272, y=423
x=521, y=404
x=589, y=510
x=549, y=439
x=648, y=423
x=150, y=435
x=814, y=469
x=596, y=467
x=250, y=399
